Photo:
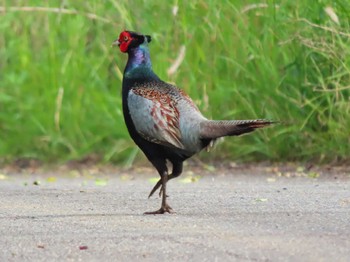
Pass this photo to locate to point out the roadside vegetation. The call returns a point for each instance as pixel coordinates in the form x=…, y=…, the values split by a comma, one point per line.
x=60, y=80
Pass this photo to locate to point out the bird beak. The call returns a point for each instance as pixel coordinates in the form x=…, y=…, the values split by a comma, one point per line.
x=116, y=43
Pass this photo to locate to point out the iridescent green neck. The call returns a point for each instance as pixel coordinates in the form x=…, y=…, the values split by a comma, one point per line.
x=139, y=63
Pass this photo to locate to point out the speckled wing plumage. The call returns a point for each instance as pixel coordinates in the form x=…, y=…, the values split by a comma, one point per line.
x=155, y=111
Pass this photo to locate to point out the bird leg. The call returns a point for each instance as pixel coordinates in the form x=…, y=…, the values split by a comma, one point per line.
x=164, y=207
x=159, y=184
x=177, y=170
x=156, y=186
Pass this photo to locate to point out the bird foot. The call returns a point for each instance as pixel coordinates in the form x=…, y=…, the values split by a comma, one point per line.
x=162, y=210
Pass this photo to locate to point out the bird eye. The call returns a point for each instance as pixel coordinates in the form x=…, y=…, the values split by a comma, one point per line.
x=126, y=38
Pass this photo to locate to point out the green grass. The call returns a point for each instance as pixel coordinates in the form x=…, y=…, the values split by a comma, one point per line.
x=60, y=81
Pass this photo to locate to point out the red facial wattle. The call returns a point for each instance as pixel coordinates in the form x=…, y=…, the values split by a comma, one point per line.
x=124, y=40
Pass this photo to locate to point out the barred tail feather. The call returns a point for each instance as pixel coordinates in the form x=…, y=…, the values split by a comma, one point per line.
x=212, y=129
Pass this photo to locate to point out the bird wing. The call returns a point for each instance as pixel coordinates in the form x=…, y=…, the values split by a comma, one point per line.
x=155, y=116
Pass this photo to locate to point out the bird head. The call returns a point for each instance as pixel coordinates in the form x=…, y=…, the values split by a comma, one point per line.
x=128, y=40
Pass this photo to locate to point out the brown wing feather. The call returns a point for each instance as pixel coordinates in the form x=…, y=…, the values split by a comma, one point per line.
x=164, y=114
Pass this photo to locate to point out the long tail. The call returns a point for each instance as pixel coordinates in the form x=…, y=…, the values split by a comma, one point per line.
x=212, y=129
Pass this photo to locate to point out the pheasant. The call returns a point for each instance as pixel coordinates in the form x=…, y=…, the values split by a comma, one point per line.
x=162, y=119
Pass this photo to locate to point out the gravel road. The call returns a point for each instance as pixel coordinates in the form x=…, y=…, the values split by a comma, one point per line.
x=246, y=216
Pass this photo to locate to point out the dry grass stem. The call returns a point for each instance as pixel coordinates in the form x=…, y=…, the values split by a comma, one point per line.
x=325, y=28
x=248, y=8
x=54, y=10
x=59, y=99
x=180, y=57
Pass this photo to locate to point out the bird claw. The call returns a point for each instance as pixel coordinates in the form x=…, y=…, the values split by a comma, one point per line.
x=162, y=210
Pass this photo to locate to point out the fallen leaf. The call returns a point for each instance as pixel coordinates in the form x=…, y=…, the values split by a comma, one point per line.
x=83, y=247
x=209, y=168
x=300, y=169
x=345, y=202
x=74, y=173
x=153, y=180
x=261, y=200
x=51, y=179
x=190, y=179
x=126, y=177
x=100, y=182
x=195, y=178
x=313, y=175
x=36, y=183
x=2, y=177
